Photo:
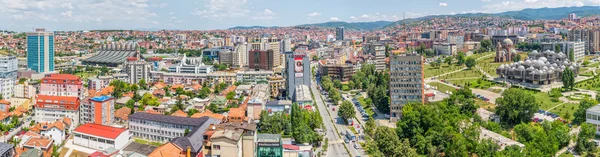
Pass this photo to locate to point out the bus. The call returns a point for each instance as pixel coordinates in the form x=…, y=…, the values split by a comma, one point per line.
x=350, y=135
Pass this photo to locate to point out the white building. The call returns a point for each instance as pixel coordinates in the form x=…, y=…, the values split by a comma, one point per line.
x=8, y=75
x=445, y=48
x=55, y=130
x=242, y=55
x=566, y=47
x=137, y=70
x=253, y=76
x=100, y=136
x=53, y=108
x=592, y=116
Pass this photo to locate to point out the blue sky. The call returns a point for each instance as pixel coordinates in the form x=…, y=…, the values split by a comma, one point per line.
x=24, y=15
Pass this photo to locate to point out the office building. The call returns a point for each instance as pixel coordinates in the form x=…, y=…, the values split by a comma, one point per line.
x=406, y=82
x=457, y=40
x=159, y=127
x=445, y=48
x=336, y=72
x=52, y=108
x=339, y=33
x=262, y=60
x=572, y=17
x=269, y=145
x=40, y=51
x=566, y=47
x=101, y=137
x=253, y=77
x=137, y=70
x=213, y=53
x=8, y=75
x=98, y=110
x=191, y=66
x=228, y=57
x=592, y=116
x=297, y=71
x=62, y=85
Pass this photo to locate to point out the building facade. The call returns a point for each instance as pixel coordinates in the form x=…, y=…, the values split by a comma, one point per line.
x=101, y=137
x=337, y=72
x=269, y=145
x=339, y=33
x=40, y=51
x=52, y=108
x=261, y=60
x=159, y=127
x=253, y=77
x=24, y=91
x=297, y=71
x=98, y=110
x=406, y=82
x=592, y=116
x=62, y=85
x=577, y=47
x=377, y=50
x=137, y=70
x=8, y=75
x=505, y=51
x=539, y=68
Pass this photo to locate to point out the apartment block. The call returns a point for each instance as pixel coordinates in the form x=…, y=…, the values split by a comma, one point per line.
x=158, y=127
x=406, y=82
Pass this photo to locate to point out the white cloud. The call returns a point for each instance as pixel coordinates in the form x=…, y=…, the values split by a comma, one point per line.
x=67, y=6
x=265, y=15
x=68, y=13
x=512, y=5
x=313, y=14
x=352, y=18
x=443, y=4
x=375, y=17
x=334, y=19
x=173, y=17
x=485, y=0
x=365, y=16
x=219, y=9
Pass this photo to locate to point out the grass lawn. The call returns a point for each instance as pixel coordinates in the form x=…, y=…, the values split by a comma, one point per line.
x=482, y=54
x=543, y=99
x=485, y=105
x=76, y=153
x=474, y=83
x=463, y=74
x=368, y=108
x=563, y=109
x=142, y=141
x=442, y=87
x=84, y=75
x=444, y=68
x=591, y=84
x=566, y=154
x=489, y=66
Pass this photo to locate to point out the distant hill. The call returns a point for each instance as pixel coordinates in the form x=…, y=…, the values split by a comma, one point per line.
x=527, y=14
x=251, y=27
x=350, y=25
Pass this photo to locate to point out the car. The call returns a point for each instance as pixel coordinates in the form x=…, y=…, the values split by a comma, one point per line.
x=355, y=146
x=333, y=109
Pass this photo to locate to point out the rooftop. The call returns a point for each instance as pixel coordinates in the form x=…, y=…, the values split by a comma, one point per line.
x=5, y=147
x=100, y=130
x=169, y=119
x=101, y=98
x=279, y=103
x=268, y=137
x=594, y=109
x=303, y=93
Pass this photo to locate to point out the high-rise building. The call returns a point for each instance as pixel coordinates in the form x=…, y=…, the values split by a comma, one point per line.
x=59, y=97
x=594, y=41
x=8, y=75
x=137, y=70
x=297, y=71
x=572, y=16
x=242, y=55
x=339, y=33
x=377, y=50
x=406, y=82
x=61, y=85
x=98, y=110
x=40, y=51
x=261, y=60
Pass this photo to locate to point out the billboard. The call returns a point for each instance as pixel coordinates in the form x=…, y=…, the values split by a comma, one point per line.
x=298, y=67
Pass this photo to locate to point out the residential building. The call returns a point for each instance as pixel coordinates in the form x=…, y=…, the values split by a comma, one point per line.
x=97, y=136
x=184, y=78
x=297, y=71
x=137, y=70
x=169, y=149
x=256, y=104
x=56, y=130
x=583, y=35
x=279, y=106
x=242, y=55
x=52, y=108
x=457, y=40
x=276, y=83
x=24, y=91
x=336, y=72
x=8, y=75
x=43, y=145
x=253, y=77
x=226, y=143
x=98, y=110
x=227, y=57
x=566, y=47
x=339, y=33
x=445, y=48
x=191, y=66
x=269, y=145
x=158, y=127
x=262, y=59
x=594, y=41
x=7, y=150
x=40, y=51
x=62, y=85
x=406, y=82
x=377, y=50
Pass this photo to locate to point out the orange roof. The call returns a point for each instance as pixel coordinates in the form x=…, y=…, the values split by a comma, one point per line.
x=100, y=130
x=39, y=141
x=160, y=85
x=197, y=86
x=128, y=94
x=60, y=125
x=104, y=91
x=177, y=86
x=179, y=113
x=16, y=113
x=237, y=112
x=123, y=113
x=152, y=111
x=4, y=115
x=59, y=98
x=67, y=120
x=245, y=104
x=209, y=114
x=63, y=76
x=229, y=89
x=5, y=102
x=167, y=150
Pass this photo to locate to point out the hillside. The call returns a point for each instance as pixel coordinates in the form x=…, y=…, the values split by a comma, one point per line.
x=350, y=25
x=251, y=27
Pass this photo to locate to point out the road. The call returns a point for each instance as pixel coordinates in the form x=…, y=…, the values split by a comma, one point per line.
x=336, y=144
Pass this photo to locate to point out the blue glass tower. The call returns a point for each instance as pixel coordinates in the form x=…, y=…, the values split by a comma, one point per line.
x=40, y=51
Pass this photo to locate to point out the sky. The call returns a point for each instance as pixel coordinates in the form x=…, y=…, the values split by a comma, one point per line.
x=66, y=15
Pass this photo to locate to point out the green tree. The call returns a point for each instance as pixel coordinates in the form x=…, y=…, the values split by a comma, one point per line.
x=337, y=84
x=461, y=58
x=517, y=58
x=471, y=62
x=143, y=84
x=571, y=55
x=557, y=48
x=187, y=131
x=568, y=79
x=487, y=44
x=370, y=126
x=515, y=106
x=448, y=60
x=335, y=96
x=390, y=145
x=346, y=111
x=204, y=92
x=580, y=115
x=55, y=152
x=586, y=133
x=230, y=95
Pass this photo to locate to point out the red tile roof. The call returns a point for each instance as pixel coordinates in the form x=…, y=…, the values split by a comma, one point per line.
x=62, y=76
x=290, y=147
x=100, y=130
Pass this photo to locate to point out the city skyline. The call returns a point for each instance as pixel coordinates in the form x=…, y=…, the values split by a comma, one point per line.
x=59, y=15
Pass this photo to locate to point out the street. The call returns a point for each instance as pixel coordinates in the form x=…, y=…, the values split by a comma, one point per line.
x=336, y=144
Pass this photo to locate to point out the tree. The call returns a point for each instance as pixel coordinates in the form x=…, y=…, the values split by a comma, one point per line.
x=149, y=99
x=460, y=58
x=204, y=92
x=517, y=58
x=586, y=133
x=230, y=95
x=568, y=79
x=448, y=60
x=580, y=115
x=390, y=145
x=346, y=111
x=55, y=152
x=487, y=44
x=471, y=62
x=187, y=131
x=571, y=55
x=143, y=84
x=337, y=84
x=370, y=126
x=557, y=48
x=335, y=96
x=515, y=106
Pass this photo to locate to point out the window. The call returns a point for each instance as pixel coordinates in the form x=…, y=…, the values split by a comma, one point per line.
x=216, y=147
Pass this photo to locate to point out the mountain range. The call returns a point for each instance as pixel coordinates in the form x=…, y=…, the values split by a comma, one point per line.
x=525, y=14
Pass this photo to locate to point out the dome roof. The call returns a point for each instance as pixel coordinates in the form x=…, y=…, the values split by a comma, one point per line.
x=534, y=52
x=507, y=42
